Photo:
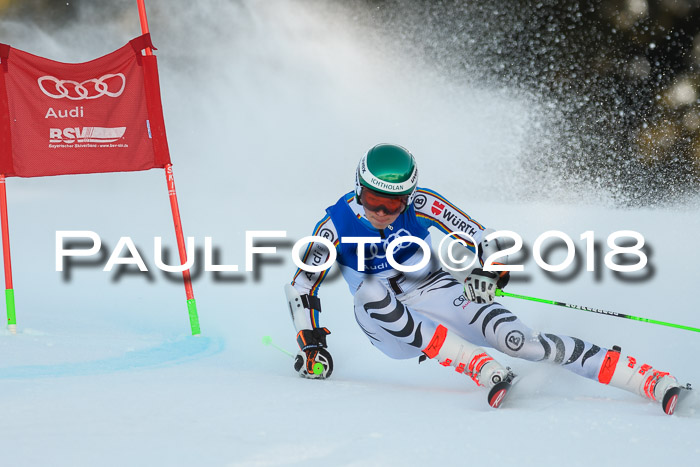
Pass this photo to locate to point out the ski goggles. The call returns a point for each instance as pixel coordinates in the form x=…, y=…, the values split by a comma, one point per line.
x=375, y=202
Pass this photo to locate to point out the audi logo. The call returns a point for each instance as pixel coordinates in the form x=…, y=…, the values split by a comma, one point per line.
x=88, y=89
x=374, y=250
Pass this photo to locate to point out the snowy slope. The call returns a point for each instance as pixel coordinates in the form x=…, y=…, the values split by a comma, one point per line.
x=268, y=110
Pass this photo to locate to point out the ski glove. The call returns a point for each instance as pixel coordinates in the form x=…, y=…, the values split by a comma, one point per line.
x=480, y=286
x=313, y=360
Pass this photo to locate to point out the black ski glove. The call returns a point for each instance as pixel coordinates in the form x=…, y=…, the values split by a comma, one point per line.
x=313, y=360
x=480, y=286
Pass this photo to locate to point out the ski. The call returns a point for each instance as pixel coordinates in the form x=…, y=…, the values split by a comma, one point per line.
x=672, y=397
x=500, y=391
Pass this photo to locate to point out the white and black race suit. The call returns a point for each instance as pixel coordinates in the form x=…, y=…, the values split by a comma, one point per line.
x=400, y=311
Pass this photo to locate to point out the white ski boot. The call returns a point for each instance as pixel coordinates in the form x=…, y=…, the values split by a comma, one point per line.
x=451, y=350
x=641, y=379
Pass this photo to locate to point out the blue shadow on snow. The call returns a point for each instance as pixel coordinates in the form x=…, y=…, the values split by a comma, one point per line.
x=167, y=354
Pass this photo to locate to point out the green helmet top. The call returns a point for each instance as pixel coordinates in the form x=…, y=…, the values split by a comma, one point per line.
x=389, y=169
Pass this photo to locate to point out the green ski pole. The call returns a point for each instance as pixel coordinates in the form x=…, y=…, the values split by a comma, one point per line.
x=501, y=293
x=267, y=340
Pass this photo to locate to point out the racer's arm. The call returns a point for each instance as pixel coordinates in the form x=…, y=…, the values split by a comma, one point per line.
x=434, y=210
x=307, y=283
x=437, y=211
x=313, y=360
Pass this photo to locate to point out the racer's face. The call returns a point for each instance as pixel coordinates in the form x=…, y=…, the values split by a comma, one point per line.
x=380, y=219
x=381, y=210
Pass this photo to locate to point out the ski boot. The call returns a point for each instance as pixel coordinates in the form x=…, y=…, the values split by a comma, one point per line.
x=471, y=360
x=641, y=379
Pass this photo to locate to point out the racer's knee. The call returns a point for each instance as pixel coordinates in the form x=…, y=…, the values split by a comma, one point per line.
x=505, y=332
x=391, y=326
x=520, y=342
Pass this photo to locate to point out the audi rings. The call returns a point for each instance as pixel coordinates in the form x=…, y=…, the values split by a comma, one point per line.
x=76, y=91
x=376, y=252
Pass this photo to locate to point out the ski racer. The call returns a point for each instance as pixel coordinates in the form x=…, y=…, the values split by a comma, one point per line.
x=426, y=312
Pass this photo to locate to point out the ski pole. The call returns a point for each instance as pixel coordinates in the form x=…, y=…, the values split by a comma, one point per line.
x=318, y=366
x=267, y=340
x=501, y=293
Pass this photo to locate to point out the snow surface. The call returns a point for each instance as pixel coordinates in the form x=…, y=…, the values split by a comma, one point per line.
x=268, y=109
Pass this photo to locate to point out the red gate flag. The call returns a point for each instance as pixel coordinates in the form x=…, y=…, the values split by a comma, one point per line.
x=104, y=115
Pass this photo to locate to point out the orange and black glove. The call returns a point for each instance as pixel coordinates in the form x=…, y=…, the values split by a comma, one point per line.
x=313, y=359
